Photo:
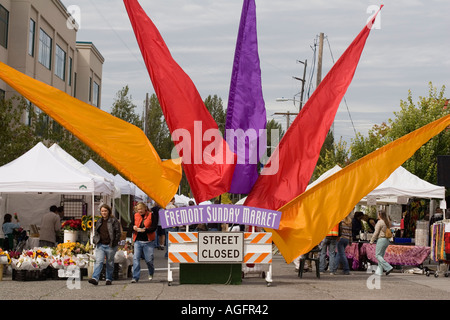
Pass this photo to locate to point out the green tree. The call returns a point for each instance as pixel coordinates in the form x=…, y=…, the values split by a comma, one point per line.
x=124, y=108
x=215, y=107
x=331, y=154
x=157, y=130
x=16, y=137
x=376, y=138
x=411, y=117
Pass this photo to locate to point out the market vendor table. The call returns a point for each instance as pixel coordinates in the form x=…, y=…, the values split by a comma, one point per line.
x=399, y=255
x=32, y=242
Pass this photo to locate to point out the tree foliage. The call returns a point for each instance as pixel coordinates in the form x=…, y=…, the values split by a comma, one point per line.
x=124, y=108
x=411, y=117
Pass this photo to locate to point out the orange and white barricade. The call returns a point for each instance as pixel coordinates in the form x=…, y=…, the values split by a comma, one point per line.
x=257, y=249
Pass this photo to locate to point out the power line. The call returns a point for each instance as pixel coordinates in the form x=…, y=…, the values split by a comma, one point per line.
x=345, y=100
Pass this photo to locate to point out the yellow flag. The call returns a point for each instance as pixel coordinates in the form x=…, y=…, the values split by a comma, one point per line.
x=307, y=219
x=120, y=143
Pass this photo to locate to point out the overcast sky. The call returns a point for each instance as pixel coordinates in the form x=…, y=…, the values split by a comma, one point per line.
x=410, y=49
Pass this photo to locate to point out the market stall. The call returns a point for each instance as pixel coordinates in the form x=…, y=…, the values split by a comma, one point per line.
x=40, y=174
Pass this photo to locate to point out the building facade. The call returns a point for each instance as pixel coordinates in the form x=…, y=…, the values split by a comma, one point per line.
x=39, y=39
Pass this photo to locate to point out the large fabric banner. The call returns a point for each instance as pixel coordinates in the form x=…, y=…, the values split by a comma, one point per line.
x=208, y=162
x=299, y=149
x=307, y=219
x=246, y=112
x=120, y=143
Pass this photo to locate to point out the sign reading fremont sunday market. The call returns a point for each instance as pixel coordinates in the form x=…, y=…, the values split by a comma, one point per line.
x=220, y=213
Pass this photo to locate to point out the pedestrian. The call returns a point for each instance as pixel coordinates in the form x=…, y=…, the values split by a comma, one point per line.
x=345, y=238
x=171, y=205
x=50, y=227
x=107, y=233
x=160, y=233
x=144, y=225
x=357, y=225
x=381, y=236
x=8, y=230
x=329, y=243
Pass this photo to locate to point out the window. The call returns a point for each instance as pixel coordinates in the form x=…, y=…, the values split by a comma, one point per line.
x=90, y=89
x=45, y=49
x=95, y=100
x=31, y=35
x=60, y=63
x=4, y=21
x=70, y=71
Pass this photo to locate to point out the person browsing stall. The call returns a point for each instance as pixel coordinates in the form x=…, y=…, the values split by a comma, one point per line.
x=381, y=236
x=8, y=230
x=50, y=227
x=144, y=225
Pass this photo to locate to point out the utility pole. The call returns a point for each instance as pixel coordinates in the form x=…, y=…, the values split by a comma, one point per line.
x=319, y=60
x=145, y=113
x=303, y=80
x=288, y=118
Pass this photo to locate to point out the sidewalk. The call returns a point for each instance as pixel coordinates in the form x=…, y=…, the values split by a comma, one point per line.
x=286, y=286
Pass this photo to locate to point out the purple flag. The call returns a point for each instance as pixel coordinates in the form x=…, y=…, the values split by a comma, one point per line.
x=246, y=113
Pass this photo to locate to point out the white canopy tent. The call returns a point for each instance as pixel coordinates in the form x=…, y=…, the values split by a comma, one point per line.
x=126, y=187
x=401, y=183
x=102, y=185
x=39, y=175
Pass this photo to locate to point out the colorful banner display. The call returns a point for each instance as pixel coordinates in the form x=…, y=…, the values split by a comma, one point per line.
x=299, y=150
x=219, y=213
x=208, y=166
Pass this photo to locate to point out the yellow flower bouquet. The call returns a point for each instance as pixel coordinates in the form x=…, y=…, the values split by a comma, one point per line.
x=86, y=222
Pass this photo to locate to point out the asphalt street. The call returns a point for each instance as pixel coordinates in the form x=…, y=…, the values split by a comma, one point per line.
x=286, y=290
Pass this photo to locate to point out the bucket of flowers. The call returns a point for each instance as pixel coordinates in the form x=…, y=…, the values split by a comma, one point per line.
x=71, y=228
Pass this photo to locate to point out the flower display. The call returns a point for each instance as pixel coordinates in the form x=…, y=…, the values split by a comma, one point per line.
x=74, y=225
x=86, y=222
x=36, y=259
x=71, y=248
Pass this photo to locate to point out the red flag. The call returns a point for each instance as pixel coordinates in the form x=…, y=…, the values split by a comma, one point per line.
x=205, y=163
x=298, y=151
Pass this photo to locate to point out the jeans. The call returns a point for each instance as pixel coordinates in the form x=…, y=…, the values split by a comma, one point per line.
x=143, y=249
x=102, y=251
x=340, y=256
x=331, y=245
x=380, y=250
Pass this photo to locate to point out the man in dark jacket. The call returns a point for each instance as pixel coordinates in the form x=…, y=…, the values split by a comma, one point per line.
x=106, y=239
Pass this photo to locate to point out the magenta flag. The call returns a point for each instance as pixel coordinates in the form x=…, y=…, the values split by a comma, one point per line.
x=246, y=113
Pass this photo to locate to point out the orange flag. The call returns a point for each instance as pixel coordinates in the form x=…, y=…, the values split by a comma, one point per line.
x=120, y=143
x=307, y=219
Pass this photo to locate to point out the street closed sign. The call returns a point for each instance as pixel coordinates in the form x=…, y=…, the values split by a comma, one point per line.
x=220, y=247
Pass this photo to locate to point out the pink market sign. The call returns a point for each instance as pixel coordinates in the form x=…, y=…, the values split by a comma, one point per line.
x=220, y=213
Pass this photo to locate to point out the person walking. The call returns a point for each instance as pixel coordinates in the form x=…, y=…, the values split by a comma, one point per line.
x=107, y=233
x=345, y=238
x=329, y=243
x=50, y=227
x=381, y=236
x=144, y=225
